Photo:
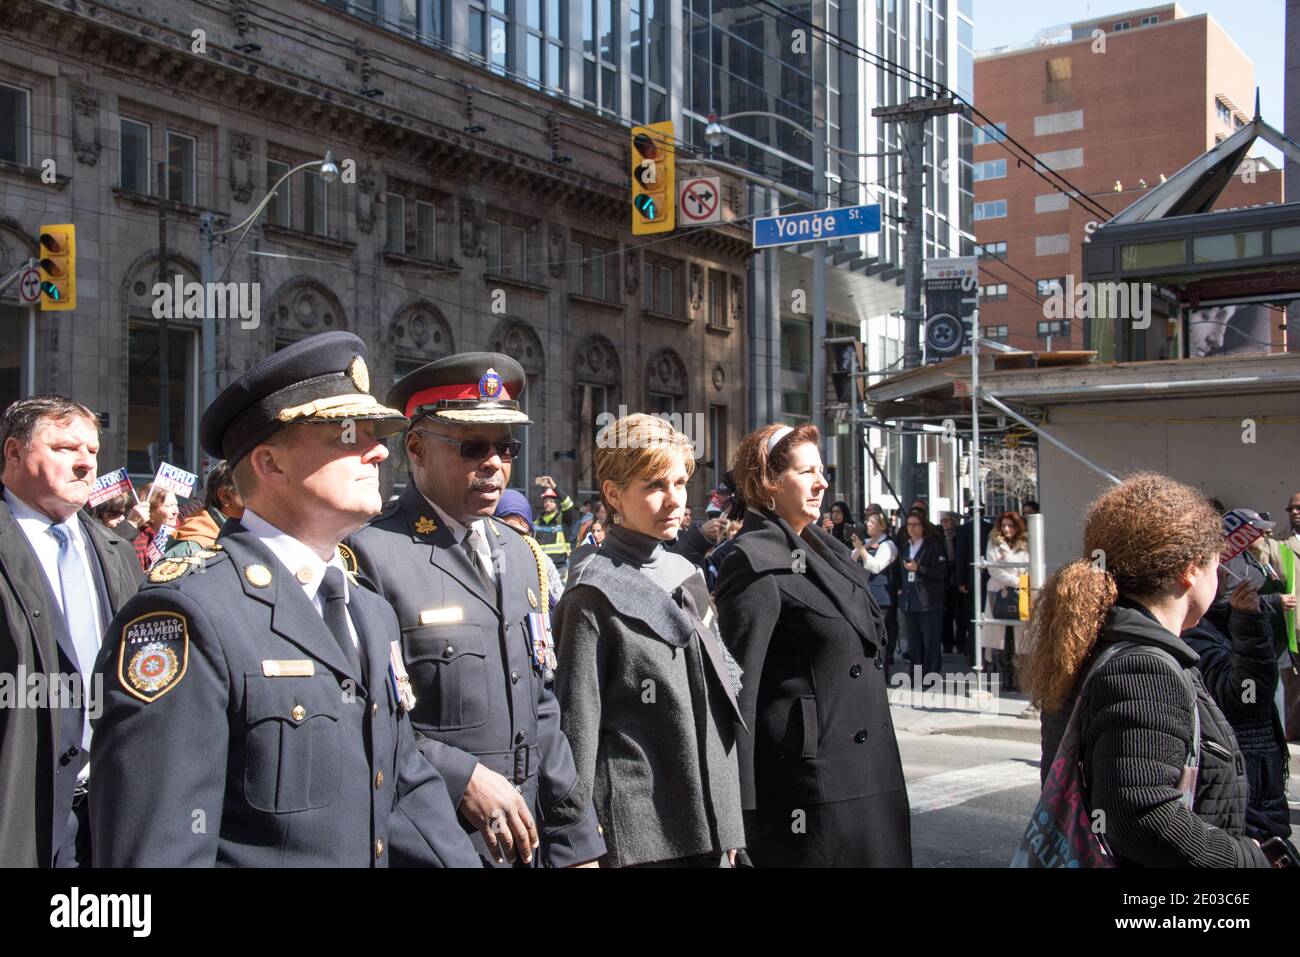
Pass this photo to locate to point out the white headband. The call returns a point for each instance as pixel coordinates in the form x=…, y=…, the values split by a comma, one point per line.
x=777, y=436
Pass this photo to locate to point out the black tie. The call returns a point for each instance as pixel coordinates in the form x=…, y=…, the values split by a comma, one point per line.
x=332, y=593
x=476, y=562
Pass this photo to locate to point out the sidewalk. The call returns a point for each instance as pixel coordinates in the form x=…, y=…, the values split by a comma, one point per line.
x=950, y=710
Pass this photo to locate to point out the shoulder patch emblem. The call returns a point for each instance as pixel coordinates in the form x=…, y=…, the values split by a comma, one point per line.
x=154, y=654
x=349, y=559
x=424, y=525
x=170, y=569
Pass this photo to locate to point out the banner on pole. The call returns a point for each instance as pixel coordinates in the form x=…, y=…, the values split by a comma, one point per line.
x=175, y=480
x=109, y=486
x=1238, y=533
x=157, y=547
x=951, y=297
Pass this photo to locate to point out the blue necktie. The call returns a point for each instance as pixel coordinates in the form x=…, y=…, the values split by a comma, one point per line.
x=78, y=607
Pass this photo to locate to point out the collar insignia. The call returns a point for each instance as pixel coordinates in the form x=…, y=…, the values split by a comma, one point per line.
x=424, y=525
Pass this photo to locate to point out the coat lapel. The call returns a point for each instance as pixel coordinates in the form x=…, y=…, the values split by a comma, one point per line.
x=112, y=553
x=444, y=551
x=293, y=616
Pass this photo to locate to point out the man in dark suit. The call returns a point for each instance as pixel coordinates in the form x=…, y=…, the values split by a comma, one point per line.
x=256, y=710
x=62, y=578
x=472, y=603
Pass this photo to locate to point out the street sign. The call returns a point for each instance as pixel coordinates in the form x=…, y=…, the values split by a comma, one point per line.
x=699, y=201
x=823, y=224
x=29, y=285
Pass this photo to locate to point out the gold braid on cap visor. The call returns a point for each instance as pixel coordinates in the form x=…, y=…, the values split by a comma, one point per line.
x=338, y=407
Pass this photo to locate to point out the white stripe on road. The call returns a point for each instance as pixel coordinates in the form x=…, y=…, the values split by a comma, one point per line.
x=957, y=787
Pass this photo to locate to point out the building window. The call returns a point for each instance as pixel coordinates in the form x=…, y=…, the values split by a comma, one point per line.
x=1059, y=73
x=991, y=169
x=996, y=209
x=426, y=230
x=395, y=223
x=315, y=204
x=589, y=274
x=489, y=33
x=1152, y=18
x=1055, y=327
x=996, y=250
x=181, y=173
x=999, y=333
x=143, y=387
x=15, y=376
x=994, y=291
x=279, y=212
x=1123, y=25
x=593, y=402
x=996, y=133
x=134, y=156
x=718, y=450
x=717, y=299
x=1224, y=112
x=15, y=125
x=657, y=288
x=1050, y=287
x=507, y=251
x=600, y=53
x=576, y=270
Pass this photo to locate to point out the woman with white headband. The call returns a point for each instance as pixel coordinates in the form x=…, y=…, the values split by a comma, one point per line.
x=821, y=780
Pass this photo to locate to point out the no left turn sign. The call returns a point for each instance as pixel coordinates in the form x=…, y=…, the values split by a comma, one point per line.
x=29, y=286
x=699, y=201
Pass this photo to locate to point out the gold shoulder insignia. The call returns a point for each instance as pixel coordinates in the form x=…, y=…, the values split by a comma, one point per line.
x=424, y=525
x=349, y=559
x=170, y=569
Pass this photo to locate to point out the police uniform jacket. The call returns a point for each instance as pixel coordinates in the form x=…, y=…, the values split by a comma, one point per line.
x=39, y=746
x=480, y=695
x=263, y=747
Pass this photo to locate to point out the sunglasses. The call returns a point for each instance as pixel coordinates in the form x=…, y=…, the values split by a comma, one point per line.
x=1293, y=508
x=476, y=450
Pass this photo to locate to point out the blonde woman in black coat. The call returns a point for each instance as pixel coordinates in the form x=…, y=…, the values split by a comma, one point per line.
x=820, y=774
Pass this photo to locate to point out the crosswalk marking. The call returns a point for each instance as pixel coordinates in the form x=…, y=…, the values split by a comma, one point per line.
x=957, y=787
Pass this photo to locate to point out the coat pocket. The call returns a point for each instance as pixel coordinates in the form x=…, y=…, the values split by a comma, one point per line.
x=292, y=750
x=448, y=669
x=808, y=709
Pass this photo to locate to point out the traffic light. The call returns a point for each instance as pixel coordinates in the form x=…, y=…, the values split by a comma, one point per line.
x=654, y=179
x=846, y=358
x=58, y=267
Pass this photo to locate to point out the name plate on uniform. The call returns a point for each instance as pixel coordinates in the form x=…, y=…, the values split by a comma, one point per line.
x=289, y=668
x=442, y=616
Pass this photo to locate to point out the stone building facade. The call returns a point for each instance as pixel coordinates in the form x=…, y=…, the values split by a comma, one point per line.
x=472, y=212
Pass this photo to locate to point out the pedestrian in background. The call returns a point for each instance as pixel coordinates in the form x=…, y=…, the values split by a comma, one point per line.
x=797, y=613
x=924, y=563
x=877, y=554
x=1238, y=665
x=659, y=772
x=1008, y=542
x=221, y=502
x=841, y=528
x=1148, y=573
x=948, y=533
x=163, y=512
x=123, y=514
x=514, y=510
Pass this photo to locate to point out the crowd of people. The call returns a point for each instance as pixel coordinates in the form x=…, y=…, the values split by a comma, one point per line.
x=609, y=683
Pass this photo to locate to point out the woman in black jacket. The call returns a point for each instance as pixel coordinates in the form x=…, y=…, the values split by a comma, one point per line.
x=1152, y=554
x=924, y=567
x=820, y=775
x=1238, y=666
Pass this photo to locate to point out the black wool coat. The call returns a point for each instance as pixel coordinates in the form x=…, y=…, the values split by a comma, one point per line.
x=1135, y=732
x=798, y=617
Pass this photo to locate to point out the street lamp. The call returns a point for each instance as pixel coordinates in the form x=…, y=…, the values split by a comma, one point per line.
x=329, y=172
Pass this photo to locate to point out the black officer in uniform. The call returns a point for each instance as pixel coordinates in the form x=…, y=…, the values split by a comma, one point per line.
x=473, y=610
x=255, y=703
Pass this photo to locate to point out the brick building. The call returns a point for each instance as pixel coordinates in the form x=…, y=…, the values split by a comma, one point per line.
x=1113, y=104
x=473, y=212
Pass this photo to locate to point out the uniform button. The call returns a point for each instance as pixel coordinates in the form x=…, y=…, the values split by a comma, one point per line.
x=379, y=780
x=374, y=708
x=861, y=736
x=379, y=848
x=448, y=651
x=855, y=671
x=514, y=677
x=298, y=712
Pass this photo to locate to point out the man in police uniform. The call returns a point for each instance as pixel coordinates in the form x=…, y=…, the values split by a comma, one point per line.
x=255, y=703
x=473, y=610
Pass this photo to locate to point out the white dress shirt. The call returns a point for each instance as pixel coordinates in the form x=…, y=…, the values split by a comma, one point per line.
x=458, y=530
x=36, y=527
x=303, y=564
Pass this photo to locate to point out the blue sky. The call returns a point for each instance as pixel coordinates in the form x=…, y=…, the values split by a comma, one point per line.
x=1257, y=26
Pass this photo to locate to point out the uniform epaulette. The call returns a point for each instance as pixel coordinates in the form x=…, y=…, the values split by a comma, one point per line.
x=171, y=569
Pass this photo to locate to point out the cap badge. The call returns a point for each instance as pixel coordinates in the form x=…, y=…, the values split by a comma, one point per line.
x=424, y=525
x=359, y=374
x=259, y=576
x=489, y=387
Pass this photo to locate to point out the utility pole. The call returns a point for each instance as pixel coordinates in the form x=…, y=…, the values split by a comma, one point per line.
x=164, y=373
x=913, y=116
x=818, y=371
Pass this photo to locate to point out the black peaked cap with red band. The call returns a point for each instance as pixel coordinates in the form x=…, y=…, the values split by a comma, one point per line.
x=469, y=388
